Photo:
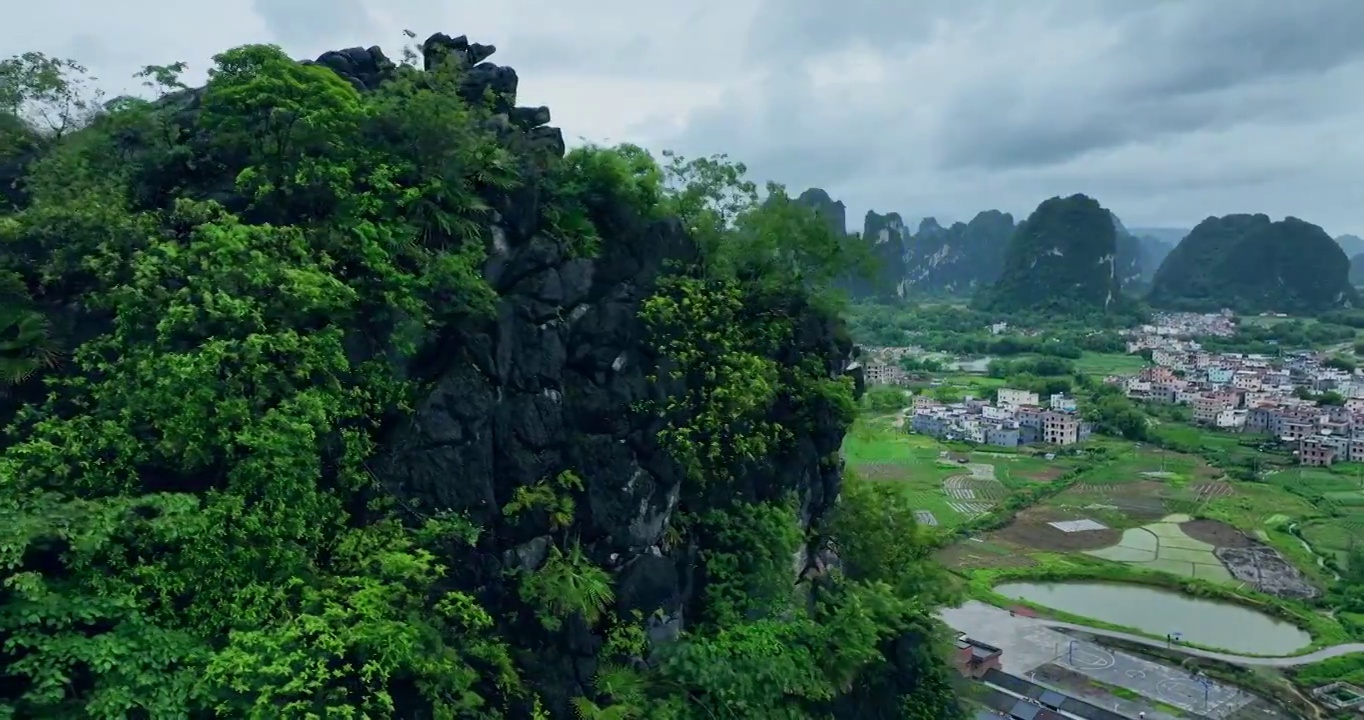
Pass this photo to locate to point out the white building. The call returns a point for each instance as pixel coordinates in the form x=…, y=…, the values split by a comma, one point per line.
x=1014, y=398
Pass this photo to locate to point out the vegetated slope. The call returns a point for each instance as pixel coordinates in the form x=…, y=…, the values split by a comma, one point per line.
x=834, y=212
x=339, y=390
x=1357, y=270
x=1252, y=264
x=1062, y=257
x=885, y=236
x=957, y=259
x=875, y=255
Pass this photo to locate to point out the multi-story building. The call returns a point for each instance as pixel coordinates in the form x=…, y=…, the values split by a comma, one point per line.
x=1003, y=436
x=1062, y=402
x=1015, y=398
x=1220, y=375
x=1258, y=418
x=1313, y=451
x=1163, y=392
x=1206, y=406
x=1060, y=428
x=1157, y=374
x=1230, y=419
x=884, y=374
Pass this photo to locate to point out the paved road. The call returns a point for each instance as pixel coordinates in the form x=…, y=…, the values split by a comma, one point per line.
x=1289, y=661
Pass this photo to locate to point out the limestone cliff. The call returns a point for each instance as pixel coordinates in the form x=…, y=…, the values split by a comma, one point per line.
x=1063, y=257
x=341, y=388
x=957, y=259
x=1252, y=264
x=833, y=211
x=886, y=236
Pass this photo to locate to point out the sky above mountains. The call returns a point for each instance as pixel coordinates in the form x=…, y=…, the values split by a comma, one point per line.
x=1167, y=111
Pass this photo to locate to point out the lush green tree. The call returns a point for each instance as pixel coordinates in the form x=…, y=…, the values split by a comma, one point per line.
x=203, y=303
x=1112, y=413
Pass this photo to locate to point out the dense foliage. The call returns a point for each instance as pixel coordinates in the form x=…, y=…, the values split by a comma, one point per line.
x=963, y=331
x=1062, y=259
x=1251, y=264
x=204, y=298
x=1276, y=337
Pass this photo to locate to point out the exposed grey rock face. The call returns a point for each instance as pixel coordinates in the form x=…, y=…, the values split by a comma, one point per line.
x=554, y=383
x=888, y=237
x=1062, y=258
x=957, y=259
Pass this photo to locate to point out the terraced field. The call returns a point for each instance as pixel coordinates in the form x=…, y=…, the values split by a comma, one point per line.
x=1164, y=546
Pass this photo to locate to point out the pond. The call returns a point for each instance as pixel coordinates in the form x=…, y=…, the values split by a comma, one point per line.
x=1160, y=612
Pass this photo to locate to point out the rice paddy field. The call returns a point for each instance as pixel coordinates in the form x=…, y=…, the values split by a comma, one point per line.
x=947, y=483
x=1165, y=546
x=1335, y=521
x=1127, y=499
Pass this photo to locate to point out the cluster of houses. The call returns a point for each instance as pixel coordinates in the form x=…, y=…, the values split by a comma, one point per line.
x=1016, y=417
x=1171, y=331
x=1262, y=395
x=881, y=365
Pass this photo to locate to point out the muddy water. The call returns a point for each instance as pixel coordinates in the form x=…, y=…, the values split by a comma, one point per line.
x=1160, y=612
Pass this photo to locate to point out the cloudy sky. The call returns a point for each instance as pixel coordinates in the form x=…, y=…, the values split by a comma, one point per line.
x=1167, y=111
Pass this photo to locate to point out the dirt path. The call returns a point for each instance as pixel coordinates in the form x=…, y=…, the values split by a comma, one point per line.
x=1321, y=560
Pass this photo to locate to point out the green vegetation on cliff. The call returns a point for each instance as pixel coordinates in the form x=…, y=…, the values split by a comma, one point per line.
x=1062, y=258
x=958, y=259
x=348, y=395
x=1252, y=264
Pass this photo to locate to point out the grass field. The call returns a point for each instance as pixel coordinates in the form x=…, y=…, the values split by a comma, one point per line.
x=1215, y=443
x=950, y=491
x=1143, y=462
x=1110, y=364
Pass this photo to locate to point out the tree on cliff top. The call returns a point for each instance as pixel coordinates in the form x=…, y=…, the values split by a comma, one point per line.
x=225, y=289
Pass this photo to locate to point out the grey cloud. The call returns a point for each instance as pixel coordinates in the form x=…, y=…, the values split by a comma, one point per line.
x=548, y=52
x=1179, y=68
x=1205, y=46
x=1167, y=110
x=1166, y=72
x=309, y=22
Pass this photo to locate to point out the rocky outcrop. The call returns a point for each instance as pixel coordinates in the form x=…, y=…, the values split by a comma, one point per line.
x=1062, y=258
x=555, y=383
x=559, y=380
x=365, y=68
x=887, y=237
x=1252, y=264
x=833, y=211
x=957, y=259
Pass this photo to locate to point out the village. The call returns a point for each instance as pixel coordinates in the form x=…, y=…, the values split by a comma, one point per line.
x=1299, y=398
x=1016, y=417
